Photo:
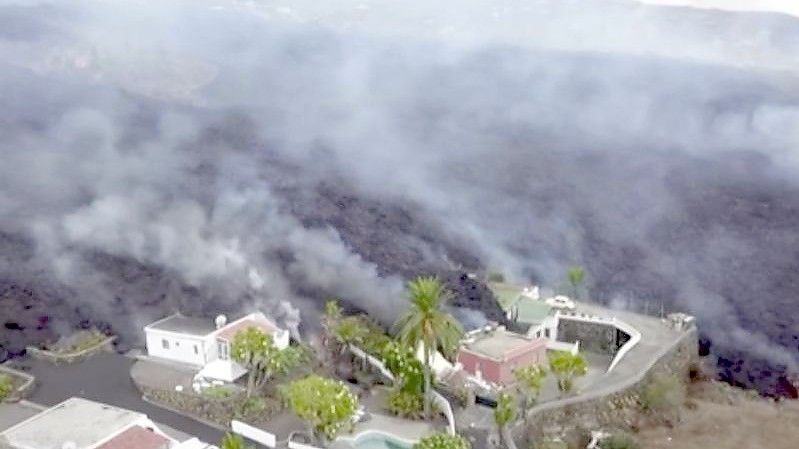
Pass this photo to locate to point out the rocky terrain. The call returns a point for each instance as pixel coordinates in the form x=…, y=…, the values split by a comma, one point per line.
x=724, y=417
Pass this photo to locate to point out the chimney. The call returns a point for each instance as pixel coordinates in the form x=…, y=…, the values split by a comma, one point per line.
x=220, y=321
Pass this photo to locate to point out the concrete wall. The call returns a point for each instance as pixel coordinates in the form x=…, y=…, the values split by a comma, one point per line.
x=217, y=412
x=74, y=357
x=182, y=348
x=502, y=372
x=593, y=337
x=24, y=384
x=477, y=365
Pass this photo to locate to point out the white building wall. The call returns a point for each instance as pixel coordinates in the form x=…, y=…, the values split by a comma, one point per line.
x=181, y=347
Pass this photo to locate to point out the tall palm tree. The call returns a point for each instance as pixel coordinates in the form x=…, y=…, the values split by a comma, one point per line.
x=427, y=323
x=575, y=274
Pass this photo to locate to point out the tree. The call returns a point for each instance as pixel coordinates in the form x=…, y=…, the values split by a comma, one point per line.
x=330, y=321
x=233, y=441
x=427, y=323
x=350, y=331
x=529, y=381
x=504, y=415
x=566, y=367
x=442, y=441
x=575, y=275
x=256, y=351
x=326, y=405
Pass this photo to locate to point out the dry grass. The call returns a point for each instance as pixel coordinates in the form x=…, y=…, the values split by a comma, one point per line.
x=734, y=420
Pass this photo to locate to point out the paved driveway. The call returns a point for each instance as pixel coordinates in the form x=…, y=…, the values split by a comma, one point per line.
x=105, y=378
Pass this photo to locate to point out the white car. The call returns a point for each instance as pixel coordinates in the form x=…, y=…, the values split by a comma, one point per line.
x=561, y=302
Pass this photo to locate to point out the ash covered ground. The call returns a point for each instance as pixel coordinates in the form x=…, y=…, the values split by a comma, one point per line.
x=212, y=157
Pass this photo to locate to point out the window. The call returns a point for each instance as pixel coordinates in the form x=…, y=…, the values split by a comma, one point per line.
x=546, y=332
x=223, y=349
x=164, y=343
x=196, y=351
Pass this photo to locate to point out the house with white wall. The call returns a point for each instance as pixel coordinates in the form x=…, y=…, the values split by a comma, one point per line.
x=83, y=424
x=205, y=343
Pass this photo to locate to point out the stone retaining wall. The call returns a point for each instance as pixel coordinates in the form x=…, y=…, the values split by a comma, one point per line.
x=216, y=411
x=619, y=409
x=74, y=357
x=24, y=384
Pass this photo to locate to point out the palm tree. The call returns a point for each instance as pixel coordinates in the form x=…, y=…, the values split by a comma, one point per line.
x=575, y=274
x=427, y=323
x=350, y=331
x=565, y=367
x=504, y=415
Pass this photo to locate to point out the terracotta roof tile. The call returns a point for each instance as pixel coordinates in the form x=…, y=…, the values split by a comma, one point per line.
x=231, y=330
x=136, y=437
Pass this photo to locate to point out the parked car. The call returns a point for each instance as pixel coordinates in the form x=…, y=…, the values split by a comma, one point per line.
x=561, y=302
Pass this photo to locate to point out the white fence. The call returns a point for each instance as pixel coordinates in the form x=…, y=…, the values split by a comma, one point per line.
x=572, y=348
x=295, y=445
x=635, y=335
x=441, y=401
x=254, y=433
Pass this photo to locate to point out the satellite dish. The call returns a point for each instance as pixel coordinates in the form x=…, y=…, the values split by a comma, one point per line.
x=220, y=321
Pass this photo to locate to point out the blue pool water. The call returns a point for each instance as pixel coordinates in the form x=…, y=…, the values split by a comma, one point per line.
x=379, y=440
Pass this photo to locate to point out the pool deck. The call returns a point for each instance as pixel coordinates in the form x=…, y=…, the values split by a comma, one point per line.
x=402, y=429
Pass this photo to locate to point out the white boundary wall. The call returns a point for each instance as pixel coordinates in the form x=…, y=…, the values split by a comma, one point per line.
x=254, y=433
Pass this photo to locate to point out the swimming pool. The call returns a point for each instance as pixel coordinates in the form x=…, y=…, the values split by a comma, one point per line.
x=380, y=440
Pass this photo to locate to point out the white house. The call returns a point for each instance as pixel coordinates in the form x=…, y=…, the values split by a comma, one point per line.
x=82, y=424
x=205, y=344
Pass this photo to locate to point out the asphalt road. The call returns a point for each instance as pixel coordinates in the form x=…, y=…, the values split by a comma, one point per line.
x=105, y=378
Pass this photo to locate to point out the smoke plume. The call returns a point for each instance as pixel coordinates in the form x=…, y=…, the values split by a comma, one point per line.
x=235, y=155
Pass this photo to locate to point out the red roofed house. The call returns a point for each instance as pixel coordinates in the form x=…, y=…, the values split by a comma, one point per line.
x=493, y=355
x=205, y=344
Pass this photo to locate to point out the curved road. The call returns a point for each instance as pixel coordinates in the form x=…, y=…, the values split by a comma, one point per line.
x=105, y=377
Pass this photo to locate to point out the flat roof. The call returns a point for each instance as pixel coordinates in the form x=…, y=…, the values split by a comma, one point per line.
x=506, y=294
x=77, y=420
x=184, y=325
x=498, y=343
x=530, y=311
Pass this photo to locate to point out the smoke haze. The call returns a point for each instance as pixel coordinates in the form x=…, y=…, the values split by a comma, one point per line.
x=228, y=155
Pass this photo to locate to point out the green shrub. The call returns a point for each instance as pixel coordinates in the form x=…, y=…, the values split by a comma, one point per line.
x=83, y=341
x=400, y=360
x=406, y=404
x=443, y=441
x=551, y=443
x=6, y=386
x=619, y=441
x=664, y=394
x=218, y=392
x=326, y=405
